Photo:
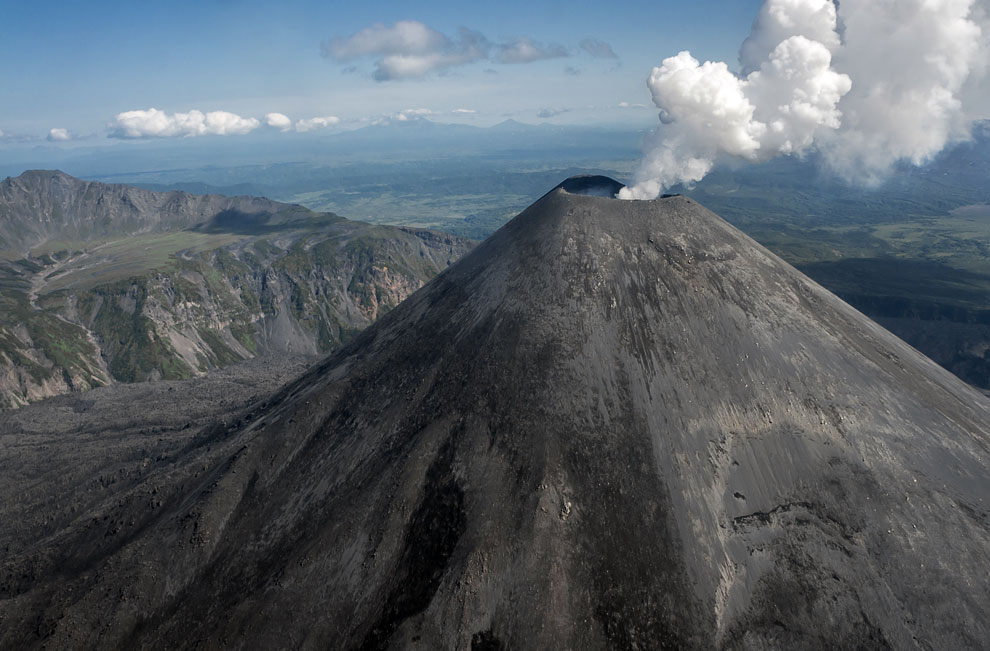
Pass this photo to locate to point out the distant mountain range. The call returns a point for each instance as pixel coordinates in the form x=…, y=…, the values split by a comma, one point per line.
x=109, y=283
x=389, y=140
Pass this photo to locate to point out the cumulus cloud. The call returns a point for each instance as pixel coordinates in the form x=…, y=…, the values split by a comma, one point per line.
x=59, y=135
x=463, y=110
x=154, y=123
x=312, y=124
x=278, y=121
x=525, y=50
x=867, y=84
x=597, y=49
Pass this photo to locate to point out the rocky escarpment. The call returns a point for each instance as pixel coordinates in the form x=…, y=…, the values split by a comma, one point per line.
x=190, y=289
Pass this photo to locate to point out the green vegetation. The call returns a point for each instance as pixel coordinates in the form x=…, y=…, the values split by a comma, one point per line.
x=129, y=339
x=246, y=335
x=134, y=256
x=62, y=343
x=220, y=354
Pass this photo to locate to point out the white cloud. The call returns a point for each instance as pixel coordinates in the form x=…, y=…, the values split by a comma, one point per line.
x=457, y=110
x=525, y=50
x=59, y=135
x=551, y=112
x=278, y=121
x=312, y=124
x=154, y=123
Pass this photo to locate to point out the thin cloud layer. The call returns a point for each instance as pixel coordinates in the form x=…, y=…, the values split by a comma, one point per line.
x=154, y=123
x=525, y=50
x=410, y=49
x=312, y=124
x=15, y=138
x=406, y=37
x=598, y=49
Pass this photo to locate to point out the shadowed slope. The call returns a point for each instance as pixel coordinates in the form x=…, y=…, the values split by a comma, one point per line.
x=612, y=425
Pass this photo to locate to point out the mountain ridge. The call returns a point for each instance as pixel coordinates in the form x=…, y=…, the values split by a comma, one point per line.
x=109, y=283
x=66, y=208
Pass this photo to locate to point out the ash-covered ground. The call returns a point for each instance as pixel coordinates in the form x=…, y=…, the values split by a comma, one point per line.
x=64, y=456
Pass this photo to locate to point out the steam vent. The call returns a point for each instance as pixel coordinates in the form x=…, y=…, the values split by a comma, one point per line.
x=613, y=425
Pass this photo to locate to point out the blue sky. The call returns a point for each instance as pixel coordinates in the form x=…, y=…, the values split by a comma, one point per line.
x=76, y=66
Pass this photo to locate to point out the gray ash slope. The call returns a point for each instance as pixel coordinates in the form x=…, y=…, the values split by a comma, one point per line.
x=612, y=425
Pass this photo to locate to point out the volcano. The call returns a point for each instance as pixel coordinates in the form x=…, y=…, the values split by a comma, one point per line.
x=613, y=425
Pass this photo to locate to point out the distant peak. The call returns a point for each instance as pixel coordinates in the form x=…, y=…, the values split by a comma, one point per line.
x=595, y=185
x=513, y=124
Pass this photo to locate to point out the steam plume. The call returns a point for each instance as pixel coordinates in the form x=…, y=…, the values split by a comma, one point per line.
x=867, y=84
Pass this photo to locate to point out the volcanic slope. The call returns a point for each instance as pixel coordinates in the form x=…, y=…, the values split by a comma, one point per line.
x=612, y=425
